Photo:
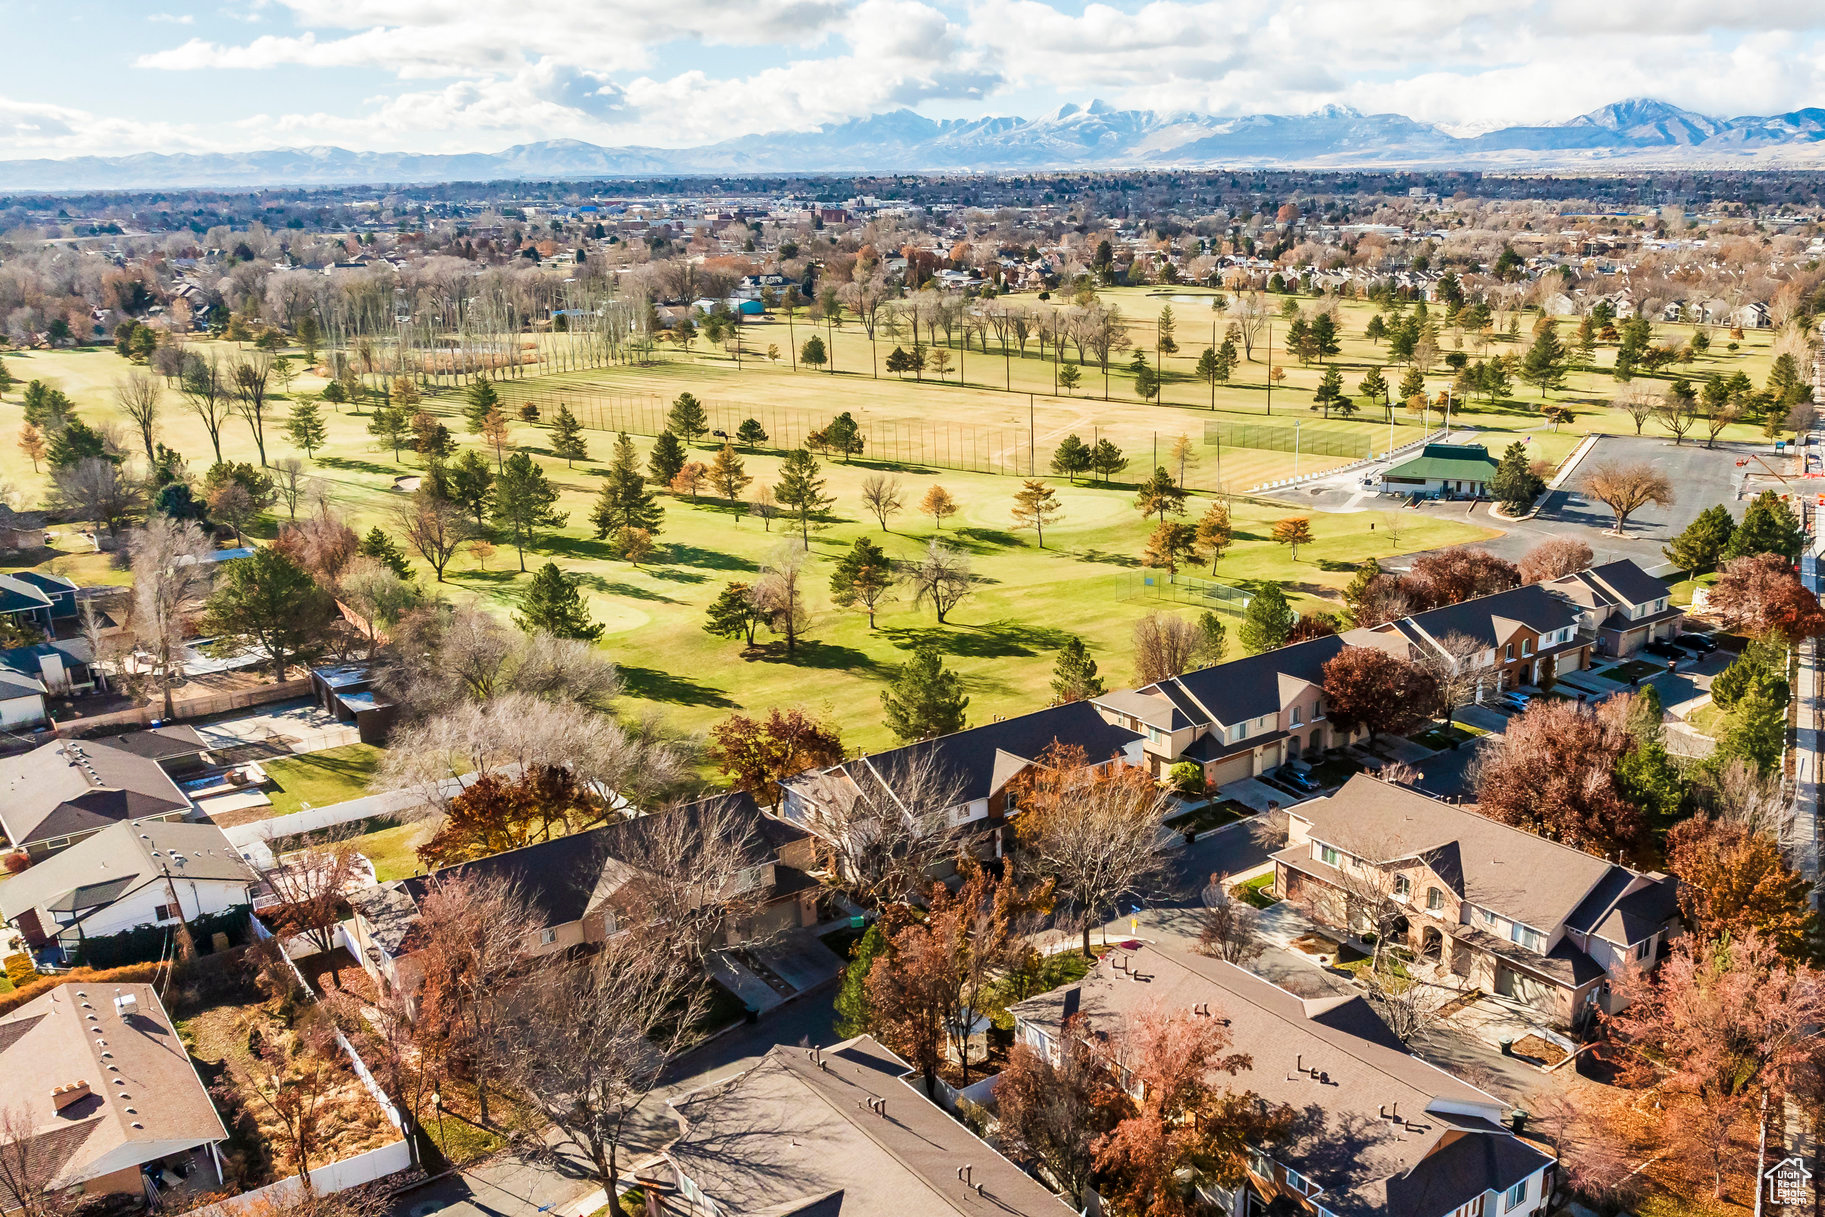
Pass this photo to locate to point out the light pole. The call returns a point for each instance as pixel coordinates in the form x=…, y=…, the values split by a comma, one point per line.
x=1296, y=423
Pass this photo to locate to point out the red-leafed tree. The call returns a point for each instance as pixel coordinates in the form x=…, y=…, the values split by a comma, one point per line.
x=1761, y=595
x=1186, y=1118
x=757, y=753
x=1733, y=882
x=1053, y=1111
x=1724, y=1031
x=494, y=814
x=1452, y=576
x=1552, y=558
x=1366, y=687
x=1554, y=773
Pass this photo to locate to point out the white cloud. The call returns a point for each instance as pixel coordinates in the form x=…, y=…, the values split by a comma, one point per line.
x=172, y=18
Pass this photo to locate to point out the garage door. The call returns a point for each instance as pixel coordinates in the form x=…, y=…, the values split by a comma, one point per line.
x=1233, y=769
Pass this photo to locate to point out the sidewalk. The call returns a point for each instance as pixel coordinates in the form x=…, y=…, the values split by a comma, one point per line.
x=1803, y=830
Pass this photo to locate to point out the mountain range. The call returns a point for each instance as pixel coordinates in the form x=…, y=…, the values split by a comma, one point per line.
x=1637, y=134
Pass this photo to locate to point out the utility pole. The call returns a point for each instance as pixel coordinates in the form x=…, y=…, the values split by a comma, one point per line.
x=1032, y=445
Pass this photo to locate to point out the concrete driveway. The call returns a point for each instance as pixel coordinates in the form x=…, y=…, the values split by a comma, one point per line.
x=300, y=725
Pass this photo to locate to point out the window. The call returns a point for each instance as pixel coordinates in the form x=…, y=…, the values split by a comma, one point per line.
x=1532, y=939
x=1403, y=886
x=1517, y=1195
x=1327, y=855
x=1527, y=646
x=1509, y=654
x=1645, y=949
x=547, y=937
x=1487, y=916
x=165, y=912
x=1435, y=899
x=1295, y=1180
x=1295, y=720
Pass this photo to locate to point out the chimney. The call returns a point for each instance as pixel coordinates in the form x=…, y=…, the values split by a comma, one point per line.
x=68, y=1093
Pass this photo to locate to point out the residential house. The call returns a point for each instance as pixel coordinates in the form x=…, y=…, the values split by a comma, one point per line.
x=844, y=1131
x=36, y=598
x=1506, y=911
x=23, y=704
x=132, y=874
x=1236, y=719
x=982, y=761
x=1443, y=471
x=1622, y=606
x=579, y=888
x=108, y=1090
x=1526, y=633
x=1381, y=1131
x=61, y=667
x=61, y=792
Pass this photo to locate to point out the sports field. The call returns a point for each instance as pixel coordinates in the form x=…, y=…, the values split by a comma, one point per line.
x=1003, y=640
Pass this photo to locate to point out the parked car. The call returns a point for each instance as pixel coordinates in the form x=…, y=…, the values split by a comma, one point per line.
x=1299, y=779
x=1664, y=649
x=1698, y=644
x=1516, y=702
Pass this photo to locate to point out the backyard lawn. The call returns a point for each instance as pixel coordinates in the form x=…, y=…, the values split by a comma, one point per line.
x=394, y=850
x=318, y=779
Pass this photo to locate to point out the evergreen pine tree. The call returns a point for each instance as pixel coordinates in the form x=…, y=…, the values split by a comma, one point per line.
x=383, y=549
x=392, y=426
x=306, y=428
x=863, y=577
x=1268, y=622
x=525, y=501
x=624, y=501
x=926, y=699
x=733, y=614
x=1700, y=546
x=1514, y=485
x=478, y=399
x=469, y=483
x=687, y=418
x=1358, y=586
x=1071, y=457
x=1768, y=527
x=567, y=437
x=1412, y=384
x=729, y=476
x=801, y=491
x=750, y=434
x=1074, y=676
x=854, y=1012
x=666, y=459
x=1544, y=364
x=1213, y=640
x=554, y=605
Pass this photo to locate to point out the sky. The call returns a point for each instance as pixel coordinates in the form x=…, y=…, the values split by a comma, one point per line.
x=104, y=77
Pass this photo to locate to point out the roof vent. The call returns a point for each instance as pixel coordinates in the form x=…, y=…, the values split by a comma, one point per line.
x=68, y=1093
x=125, y=1004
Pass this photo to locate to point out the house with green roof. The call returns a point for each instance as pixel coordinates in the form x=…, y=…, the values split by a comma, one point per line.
x=1443, y=469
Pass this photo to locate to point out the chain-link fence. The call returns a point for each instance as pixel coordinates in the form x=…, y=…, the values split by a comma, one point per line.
x=1274, y=437
x=1187, y=589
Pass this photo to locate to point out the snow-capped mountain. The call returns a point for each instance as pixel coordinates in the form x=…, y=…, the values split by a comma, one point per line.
x=1641, y=132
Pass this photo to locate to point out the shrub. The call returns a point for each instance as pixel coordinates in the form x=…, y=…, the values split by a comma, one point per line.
x=1187, y=777
x=136, y=974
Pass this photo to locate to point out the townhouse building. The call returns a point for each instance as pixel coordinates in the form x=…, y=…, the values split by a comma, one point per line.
x=1542, y=924
x=978, y=765
x=1379, y=1130
x=1245, y=717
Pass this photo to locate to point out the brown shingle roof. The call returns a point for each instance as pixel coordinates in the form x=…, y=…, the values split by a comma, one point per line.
x=146, y=1099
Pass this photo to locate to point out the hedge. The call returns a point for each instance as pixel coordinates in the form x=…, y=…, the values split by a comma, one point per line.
x=146, y=943
x=134, y=974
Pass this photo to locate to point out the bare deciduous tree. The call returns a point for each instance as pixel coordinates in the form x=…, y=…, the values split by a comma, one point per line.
x=312, y=886
x=881, y=827
x=590, y=1042
x=697, y=873
x=98, y=490
x=170, y=574
x=139, y=397
x=1553, y=558
x=478, y=936
x=439, y=660
x=1627, y=488
x=289, y=482
x=30, y=1162
x=1459, y=665
x=779, y=593
x=435, y=527
x=1231, y=928
x=1408, y=1006
x=1094, y=832
x=941, y=578
x=881, y=495
x=1165, y=645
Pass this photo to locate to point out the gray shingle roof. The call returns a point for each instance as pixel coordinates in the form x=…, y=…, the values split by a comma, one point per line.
x=791, y=1136
x=1344, y=1143
x=74, y=786
x=1526, y=877
x=122, y=858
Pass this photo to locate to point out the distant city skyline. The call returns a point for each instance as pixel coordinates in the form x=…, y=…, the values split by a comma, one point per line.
x=429, y=76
